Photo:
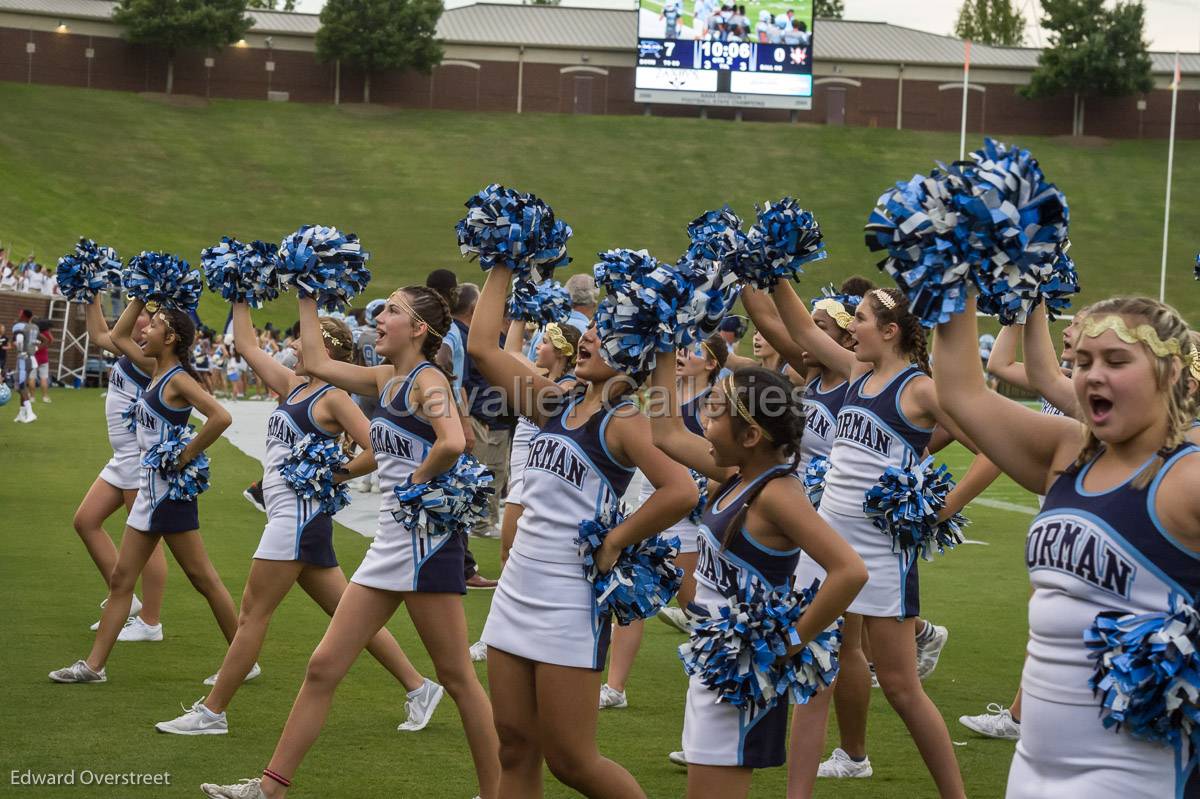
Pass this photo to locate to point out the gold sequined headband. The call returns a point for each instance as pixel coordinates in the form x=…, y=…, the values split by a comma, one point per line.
x=1145, y=334
x=731, y=392
x=836, y=311
x=885, y=299
x=413, y=313
x=559, y=341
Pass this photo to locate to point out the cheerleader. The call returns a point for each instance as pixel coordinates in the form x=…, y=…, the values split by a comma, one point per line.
x=888, y=416
x=168, y=399
x=754, y=525
x=1119, y=531
x=415, y=434
x=118, y=481
x=297, y=542
x=546, y=646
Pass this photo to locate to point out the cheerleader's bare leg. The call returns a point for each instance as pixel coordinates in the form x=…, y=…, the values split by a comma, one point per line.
x=515, y=710
x=136, y=548
x=189, y=552
x=805, y=744
x=718, y=782
x=852, y=692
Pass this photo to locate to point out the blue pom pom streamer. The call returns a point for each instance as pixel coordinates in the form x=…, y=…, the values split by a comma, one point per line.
x=185, y=483
x=1147, y=673
x=739, y=651
x=697, y=512
x=515, y=230
x=91, y=269
x=814, y=478
x=163, y=278
x=905, y=504
x=1062, y=284
x=643, y=579
x=311, y=468
x=324, y=264
x=781, y=242
x=452, y=502
x=540, y=303
x=129, y=418
x=830, y=292
x=717, y=246
x=242, y=272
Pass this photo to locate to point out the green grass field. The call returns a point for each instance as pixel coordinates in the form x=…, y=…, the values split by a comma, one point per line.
x=977, y=591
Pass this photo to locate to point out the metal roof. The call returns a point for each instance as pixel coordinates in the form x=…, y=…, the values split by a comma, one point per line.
x=611, y=29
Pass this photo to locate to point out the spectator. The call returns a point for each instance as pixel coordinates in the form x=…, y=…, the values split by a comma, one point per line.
x=41, y=357
x=235, y=370
x=220, y=359
x=731, y=330
x=4, y=346
x=25, y=341
x=49, y=283
x=8, y=277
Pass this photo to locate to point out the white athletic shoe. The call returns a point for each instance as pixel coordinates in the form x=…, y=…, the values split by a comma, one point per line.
x=244, y=789
x=419, y=706
x=611, y=697
x=79, y=671
x=137, y=630
x=30, y=416
x=134, y=610
x=478, y=651
x=254, y=672
x=929, y=650
x=996, y=723
x=678, y=758
x=841, y=765
x=677, y=618
x=874, y=676
x=196, y=720
x=45, y=399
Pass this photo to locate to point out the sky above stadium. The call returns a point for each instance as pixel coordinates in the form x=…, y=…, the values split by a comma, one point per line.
x=1170, y=24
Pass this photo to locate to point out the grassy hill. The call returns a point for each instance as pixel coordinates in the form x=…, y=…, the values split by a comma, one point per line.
x=139, y=173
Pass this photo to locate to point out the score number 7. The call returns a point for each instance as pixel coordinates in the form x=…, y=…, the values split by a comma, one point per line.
x=670, y=48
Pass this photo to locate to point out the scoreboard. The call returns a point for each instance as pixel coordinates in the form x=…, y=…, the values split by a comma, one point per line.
x=719, y=56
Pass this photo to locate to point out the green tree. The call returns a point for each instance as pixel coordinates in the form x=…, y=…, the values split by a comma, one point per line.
x=175, y=24
x=828, y=9
x=1094, y=50
x=272, y=5
x=993, y=22
x=375, y=35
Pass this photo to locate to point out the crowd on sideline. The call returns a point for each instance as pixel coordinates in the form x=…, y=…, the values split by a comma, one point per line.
x=27, y=275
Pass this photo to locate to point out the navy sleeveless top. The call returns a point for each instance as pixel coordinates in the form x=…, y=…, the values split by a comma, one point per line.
x=128, y=371
x=399, y=437
x=153, y=399
x=289, y=423
x=690, y=411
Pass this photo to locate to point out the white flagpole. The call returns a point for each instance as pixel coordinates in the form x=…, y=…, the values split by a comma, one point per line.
x=1162, y=280
x=962, y=137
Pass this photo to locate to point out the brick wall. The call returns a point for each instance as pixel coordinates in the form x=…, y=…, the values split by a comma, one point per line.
x=11, y=305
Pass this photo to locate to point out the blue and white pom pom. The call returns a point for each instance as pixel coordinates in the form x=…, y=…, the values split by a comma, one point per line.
x=539, y=303
x=515, y=230
x=163, y=278
x=643, y=579
x=129, y=418
x=697, y=513
x=1147, y=673
x=91, y=269
x=830, y=292
x=905, y=503
x=311, y=470
x=739, y=652
x=324, y=264
x=717, y=246
x=452, y=502
x=717, y=240
x=242, y=272
x=1063, y=283
x=814, y=478
x=781, y=242
x=182, y=484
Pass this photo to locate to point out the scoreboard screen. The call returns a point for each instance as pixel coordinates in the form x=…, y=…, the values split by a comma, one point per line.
x=717, y=53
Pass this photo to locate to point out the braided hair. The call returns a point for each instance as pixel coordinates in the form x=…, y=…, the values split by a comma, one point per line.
x=184, y=330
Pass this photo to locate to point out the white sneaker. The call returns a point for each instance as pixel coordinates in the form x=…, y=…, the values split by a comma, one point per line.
x=996, y=723
x=874, y=676
x=611, y=697
x=79, y=671
x=678, y=758
x=677, y=618
x=419, y=706
x=197, y=720
x=478, y=651
x=45, y=399
x=245, y=789
x=841, y=765
x=30, y=416
x=134, y=609
x=254, y=672
x=930, y=649
x=137, y=630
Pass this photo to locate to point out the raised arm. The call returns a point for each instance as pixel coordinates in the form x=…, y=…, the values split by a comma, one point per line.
x=804, y=331
x=184, y=388
x=1027, y=445
x=1041, y=365
x=121, y=335
x=365, y=380
x=97, y=328
x=512, y=375
x=668, y=431
x=766, y=319
x=1003, y=361
x=514, y=342
x=278, y=377
x=435, y=401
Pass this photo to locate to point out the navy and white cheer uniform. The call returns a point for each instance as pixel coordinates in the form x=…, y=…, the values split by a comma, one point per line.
x=523, y=434
x=872, y=434
x=687, y=530
x=544, y=608
x=152, y=511
x=401, y=559
x=717, y=733
x=820, y=420
x=126, y=383
x=1088, y=553
x=296, y=528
